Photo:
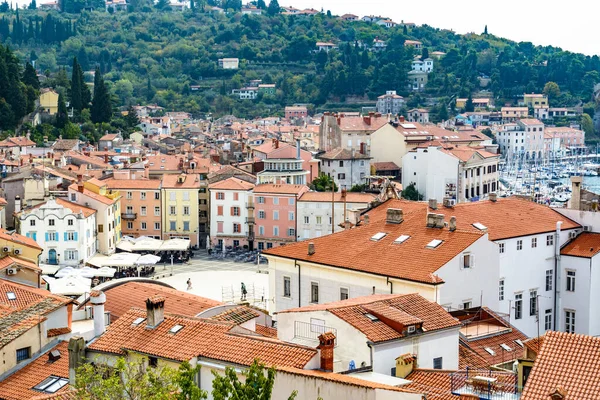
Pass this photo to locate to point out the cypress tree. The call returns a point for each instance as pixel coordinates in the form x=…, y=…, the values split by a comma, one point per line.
x=101, y=108
x=62, y=116
x=76, y=79
x=30, y=77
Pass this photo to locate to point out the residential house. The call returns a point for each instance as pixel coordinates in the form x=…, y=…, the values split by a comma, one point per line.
x=96, y=195
x=568, y=141
x=251, y=10
x=417, y=80
x=276, y=213
x=437, y=54
x=246, y=93
x=229, y=63
x=390, y=103
x=110, y=141
x=232, y=221
x=346, y=167
x=535, y=100
x=420, y=115
x=292, y=112
x=349, y=17
x=21, y=250
x=141, y=206
x=49, y=101
x=388, y=23
x=379, y=45
x=65, y=231
x=267, y=88
x=180, y=201
x=348, y=131
x=512, y=114
x=284, y=163
x=460, y=173
x=478, y=103
x=325, y=46
x=387, y=169
x=425, y=65
x=17, y=146
x=413, y=43
x=523, y=140
x=116, y=5
x=373, y=331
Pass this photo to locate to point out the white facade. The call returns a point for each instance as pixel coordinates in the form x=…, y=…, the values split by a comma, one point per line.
x=423, y=66
x=314, y=217
x=229, y=217
x=66, y=236
x=390, y=103
x=347, y=173
x=521, y=140
x=247, y=93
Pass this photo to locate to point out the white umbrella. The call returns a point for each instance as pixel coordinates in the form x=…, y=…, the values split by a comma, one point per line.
x=64, y=272
x=148, y=259
x=106, y=272
x=87, y=272
x=72, y=285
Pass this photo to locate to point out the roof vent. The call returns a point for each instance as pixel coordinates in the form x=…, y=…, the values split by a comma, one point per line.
x=311, y=248
x=435, y=243
x=394, y=216
x=401, y=239
x=452, y=224
x=493, y=197
x=11, y=295
x=519, y=342
x=378, y=236
x=53, y=355
x=433, y=204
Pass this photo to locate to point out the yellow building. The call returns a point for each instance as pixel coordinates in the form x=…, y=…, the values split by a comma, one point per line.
x=19, y=259
x=180, y=198
x=535, y=100
x=49, y=101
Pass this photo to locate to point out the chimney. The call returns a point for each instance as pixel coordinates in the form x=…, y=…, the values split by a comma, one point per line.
x=347, y=224
x=17, y=203
x=439, y=221
x=402, y=118
x=575, y=201
x=298, y=149
x=105, y=157
x=394, y=216
x=448, y=203
x=433, y=204
x=405, y=364
x=452, y=225
x=326, y=345
x=493, y=197
x=76, y=356
x=366, y=219
x=98, y=298
x=155, y=311
x=80, y=183
x=311, y=248
x=367, y=119
x=276, y=143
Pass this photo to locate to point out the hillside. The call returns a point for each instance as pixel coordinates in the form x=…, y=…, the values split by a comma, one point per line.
x=157, y=56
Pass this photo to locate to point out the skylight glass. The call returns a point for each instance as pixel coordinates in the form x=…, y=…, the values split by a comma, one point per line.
x=492, y=352
x=51, y=384
x=378, y=236
x=11, y=295
x=480, y=226
x=371, y=317
x=138, y=321
x=401, y=239
x=176, y=328
x=505, y=347
x=434, y=243
x=518, y=341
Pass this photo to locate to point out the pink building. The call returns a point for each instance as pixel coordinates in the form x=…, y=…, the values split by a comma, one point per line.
x=275, y=212
x=295, y=112
x=570, y=140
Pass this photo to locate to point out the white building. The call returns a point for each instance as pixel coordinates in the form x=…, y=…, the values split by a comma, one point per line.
x=425, y=65
x=246, y=93
x=283, y=170
x=461, y=173
x=346, y=167
x=420, y=115
x=65, y=230
x=325, y=46
x=523, y=139
x=315, y=208
x=373, y=331
x=229, y=63
x=390, y=103
x=231, y=213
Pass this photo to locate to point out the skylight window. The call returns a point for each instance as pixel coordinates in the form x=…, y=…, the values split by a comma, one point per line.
x=11, y=295
x=371, y=317
x=492, y=352
x=138, y=321
x=518, y=341
x=378, y=236
x=176, y=328
x=401, y=239
x=434, y=243
x=505, y=347
x=408, y=126
x=52, y=384
x=480, y=226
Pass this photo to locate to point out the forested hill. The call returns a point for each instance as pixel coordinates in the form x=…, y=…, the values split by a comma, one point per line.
x=159, y=55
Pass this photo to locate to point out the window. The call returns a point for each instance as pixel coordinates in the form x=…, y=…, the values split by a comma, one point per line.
x=142, y=195
x=129, y=195
x=533, y=302
x=275, y=231
x=70, y=222
x=260, y=200
x=550, y=240
x=100, y=228
x=71, y=254
x=518, y=306
x=468, y=260
x=307, y=220
x=173, y=210
x=287, y=286
x=549, y=276
x=291, y=232
x=319, y=220
x=533, y=243
x=343, y=293
x=262, y=214
x=261, y=245
x=172, y=225
x=220, y=196
x=314, y=292
x=143, y=210
x=186, y=196
x=501, y=290
x=548, y=319
x=235, y=211
x=32, y=222
x=437, y=363
x=157, y=226
x=261, y=230
x=73, y=197
x=50, y=222
x=23, y=354
x=291, y=201
x=152, y=362
x=275, y=215
x=157, y=211
x=275, y=200
x=341, y=176
x=129, y=209
x=156, y=196
x=70, y=236
x=466, y=305
x=291, y=216
x=186, y=210
x=236, y=196
x=341, y=163
x=269, y=245
x=236, y=228
x=519, y=245
x=144, y=226
x=52, y=384
x=51, y=237
x=501, y=248
x=569, y=321
x=570, y=281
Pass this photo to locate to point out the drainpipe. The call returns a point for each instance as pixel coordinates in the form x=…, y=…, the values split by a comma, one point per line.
x=556, y=274
x=388, y=282
x=299, y=291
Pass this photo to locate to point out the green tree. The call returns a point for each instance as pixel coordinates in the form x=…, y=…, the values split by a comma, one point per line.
x=261, y=4
x=256, y=385
x=62, y=117
x=32, y=5
x=131, y=119
x=469, y=107
x=30, y=77
x=552, y=90
x=101, y=106
x=485, y=31
x=411, y=193
x=187, y=386
x=587, y=125
x=273, y=8
x=323, y=183
x=163, y=5
x=77, y=83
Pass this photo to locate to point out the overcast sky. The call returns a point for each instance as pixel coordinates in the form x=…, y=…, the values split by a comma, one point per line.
x=572, y=25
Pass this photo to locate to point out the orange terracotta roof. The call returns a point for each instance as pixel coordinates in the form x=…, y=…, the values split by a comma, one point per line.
x=352, y=123
x=133, y=184
x=342, y=154
x=68, y=395
x=411, y=260
x=351, y=197
x=534, y=344
x=279, y=188
x=163, y=162
x=505, y=218
x=18, y=239
x=386, y=166
x=569, y=361
x=237, y=315
x=467, y=358
x=465, y=153
x=86, y=192
x=74, y=207
x=586, y=245
x=266, y=331
x=119, y=299
x=26, y=295
x=7, y=261
x=58, y=331
x=231, y=184
x=198, y=338
x=407, y=309
x=192, y=181
x=19, y=385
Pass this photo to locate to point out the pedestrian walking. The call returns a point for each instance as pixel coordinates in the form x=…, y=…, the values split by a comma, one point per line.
x=189, y=284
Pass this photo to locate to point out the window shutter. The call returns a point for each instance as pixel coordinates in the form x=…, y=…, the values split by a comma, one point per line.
x=47, y=236
x=34, y=236
x=65, y=236
x=472, y=261
x=232, y=211
x=462, y=261
x=75, y=237
x=27, y=234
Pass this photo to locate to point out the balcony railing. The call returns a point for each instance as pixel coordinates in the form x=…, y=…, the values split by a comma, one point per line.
x=129, y=215
x=250, y=220
x=250, y=204
x=488, y=385
x=305, y=330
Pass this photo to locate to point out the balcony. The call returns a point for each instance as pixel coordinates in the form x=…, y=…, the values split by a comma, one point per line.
x=129, y=215
x=486, y=384
x=310, y=332
x=250, y=205
x=250, y=220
